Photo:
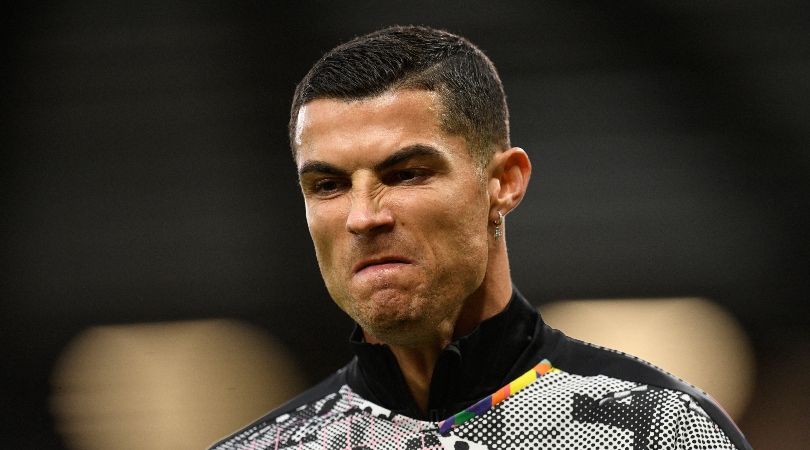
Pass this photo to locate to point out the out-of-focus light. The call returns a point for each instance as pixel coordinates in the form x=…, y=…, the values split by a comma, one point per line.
x=167, y=386
x=692, y=338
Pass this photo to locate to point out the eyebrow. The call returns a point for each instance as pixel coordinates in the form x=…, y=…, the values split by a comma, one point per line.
x=320, y=167
x=406, y=153
x=401, y=155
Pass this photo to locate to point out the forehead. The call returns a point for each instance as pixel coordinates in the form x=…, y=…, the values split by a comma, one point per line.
x=336, y=128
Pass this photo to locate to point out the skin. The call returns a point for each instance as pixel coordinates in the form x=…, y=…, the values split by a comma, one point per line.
x=402, y=220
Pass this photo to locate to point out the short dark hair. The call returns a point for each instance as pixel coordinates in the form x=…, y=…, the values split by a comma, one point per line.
x=416, y=57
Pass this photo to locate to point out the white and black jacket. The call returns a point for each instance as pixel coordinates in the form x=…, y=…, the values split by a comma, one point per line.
x=513, y=383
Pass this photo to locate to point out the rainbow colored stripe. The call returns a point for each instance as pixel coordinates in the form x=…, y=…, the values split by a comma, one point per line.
x=485, y=404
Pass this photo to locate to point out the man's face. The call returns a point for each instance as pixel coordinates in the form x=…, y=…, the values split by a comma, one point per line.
x=397, y=211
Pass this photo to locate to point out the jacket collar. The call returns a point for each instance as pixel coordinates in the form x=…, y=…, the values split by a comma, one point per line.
x=468, y=369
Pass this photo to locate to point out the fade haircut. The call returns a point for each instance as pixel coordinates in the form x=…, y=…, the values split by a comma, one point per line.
x=473, y=103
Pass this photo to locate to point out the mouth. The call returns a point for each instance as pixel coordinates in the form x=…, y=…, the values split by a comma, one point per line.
x=380, y=262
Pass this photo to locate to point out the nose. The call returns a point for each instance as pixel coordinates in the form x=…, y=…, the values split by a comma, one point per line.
x=368, y=216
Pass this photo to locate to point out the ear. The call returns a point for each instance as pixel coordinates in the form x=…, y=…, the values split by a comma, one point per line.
x=509, y=173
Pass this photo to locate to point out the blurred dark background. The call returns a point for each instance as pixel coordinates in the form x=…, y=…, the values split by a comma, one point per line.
x=146, y=174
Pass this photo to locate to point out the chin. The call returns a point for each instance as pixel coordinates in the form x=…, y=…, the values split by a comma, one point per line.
x=389, y=320
x=393, y=325
x=404, y=334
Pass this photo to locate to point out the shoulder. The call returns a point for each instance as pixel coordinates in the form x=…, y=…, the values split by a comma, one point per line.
x=682, y=401
x=308, y=403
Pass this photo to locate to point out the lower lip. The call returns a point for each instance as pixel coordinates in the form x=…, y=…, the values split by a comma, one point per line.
x=379, y=269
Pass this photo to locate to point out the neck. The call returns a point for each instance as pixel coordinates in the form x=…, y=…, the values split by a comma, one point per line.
x=417, y=362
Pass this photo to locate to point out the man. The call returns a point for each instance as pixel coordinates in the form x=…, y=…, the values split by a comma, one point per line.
x=402, y=146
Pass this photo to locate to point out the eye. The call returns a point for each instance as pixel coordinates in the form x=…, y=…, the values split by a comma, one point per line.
x=406, y=176
x=327, y=187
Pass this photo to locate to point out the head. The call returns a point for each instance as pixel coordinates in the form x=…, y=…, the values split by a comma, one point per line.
x=472, y=100
x=404, y=169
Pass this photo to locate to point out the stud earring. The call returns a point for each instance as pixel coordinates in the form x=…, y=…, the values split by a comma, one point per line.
x=498, y=223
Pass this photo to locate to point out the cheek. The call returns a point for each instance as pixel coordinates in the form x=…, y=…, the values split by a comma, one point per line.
x=458, y=230
x=325, y=229
x=470, y=242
